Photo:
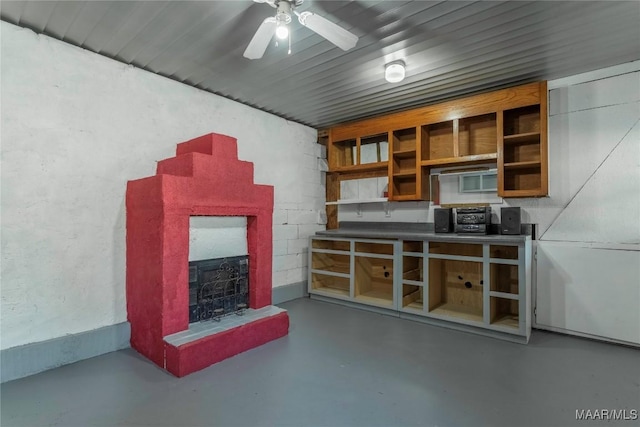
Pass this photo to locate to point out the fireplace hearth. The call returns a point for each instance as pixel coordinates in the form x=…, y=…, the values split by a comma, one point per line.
x=205, y=178
x=218, y=287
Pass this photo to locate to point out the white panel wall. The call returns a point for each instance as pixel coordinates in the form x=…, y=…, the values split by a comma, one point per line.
x=589, y=290
x=75, y=127
x=589, y=256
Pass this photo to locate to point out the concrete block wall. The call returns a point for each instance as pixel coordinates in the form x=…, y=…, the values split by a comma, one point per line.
x=76, y=126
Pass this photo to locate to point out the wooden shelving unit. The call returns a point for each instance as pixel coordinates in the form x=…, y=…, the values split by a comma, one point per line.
x=507, y=127
x=405, y=179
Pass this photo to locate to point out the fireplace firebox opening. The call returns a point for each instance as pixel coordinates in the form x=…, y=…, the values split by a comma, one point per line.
x=218, y=287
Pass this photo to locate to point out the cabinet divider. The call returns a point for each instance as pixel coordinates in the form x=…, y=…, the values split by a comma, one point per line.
x=330, y=273
x=456, y=139
x=504, y=295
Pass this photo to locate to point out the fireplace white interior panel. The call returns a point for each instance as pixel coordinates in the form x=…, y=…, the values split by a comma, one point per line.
x=217, y=237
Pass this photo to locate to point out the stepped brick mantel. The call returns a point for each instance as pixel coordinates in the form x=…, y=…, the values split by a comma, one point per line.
x=204, y=178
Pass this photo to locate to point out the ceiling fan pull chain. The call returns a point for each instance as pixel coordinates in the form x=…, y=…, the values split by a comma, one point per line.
x=289, y=52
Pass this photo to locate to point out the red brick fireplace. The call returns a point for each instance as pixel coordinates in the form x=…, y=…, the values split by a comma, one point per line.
x=204, y=178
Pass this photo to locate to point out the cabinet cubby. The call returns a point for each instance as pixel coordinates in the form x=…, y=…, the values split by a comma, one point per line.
x=373, y=280
x=330, y=284
x=404, y=140
x=503, y=252
x=330, y=262
x=462, y=249
x=334, y=245
x=412, y=268
x=412, y=246
x=344, y=153
x=522, y=121
x=374, y=248
x=412, y=297
x=477, y=135
x=504, y=278
x=455, y=289
x=404, y=165
x=504, y=312
x=522, y=177
x=404, y=185
x=374, y=149
x=439, y=140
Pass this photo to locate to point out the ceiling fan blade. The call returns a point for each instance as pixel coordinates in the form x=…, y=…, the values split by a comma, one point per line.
x=270, y=2
x=260, y=41
x=337, y=35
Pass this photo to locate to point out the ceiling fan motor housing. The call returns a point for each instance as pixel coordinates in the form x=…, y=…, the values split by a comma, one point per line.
x=283, y=15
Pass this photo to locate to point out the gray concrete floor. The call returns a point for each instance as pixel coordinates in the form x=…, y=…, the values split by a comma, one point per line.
x=343, y=366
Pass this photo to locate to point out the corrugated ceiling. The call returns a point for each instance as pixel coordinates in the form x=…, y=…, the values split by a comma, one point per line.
x=451, y=48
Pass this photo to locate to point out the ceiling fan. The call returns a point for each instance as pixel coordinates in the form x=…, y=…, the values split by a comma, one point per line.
x=278, y=25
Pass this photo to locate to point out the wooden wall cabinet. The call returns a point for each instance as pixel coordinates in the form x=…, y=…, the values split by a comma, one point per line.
x=484, y=286
x=522, y=144
x=508, y=127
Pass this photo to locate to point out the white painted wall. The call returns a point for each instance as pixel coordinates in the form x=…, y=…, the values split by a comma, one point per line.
x=75, y=127
x=592, y=212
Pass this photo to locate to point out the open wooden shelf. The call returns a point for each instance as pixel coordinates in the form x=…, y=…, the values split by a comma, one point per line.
x=377, y=296
x=405, y=154
x=358, y=201
x=335, y=263
x=504, y=312
x=412, y=297
x=406, y=173
x=369, y=167
x=504, y=278
x=439, y=138
x=333, y=245
x=523, y=138
x=503, y=252
x=523, y=179
x=468, y=160
x=461, y=249
x=334, y=285
x=460, y=311
x=403, y=164
x=412, y=268
x=477, y=135
x=522, y=165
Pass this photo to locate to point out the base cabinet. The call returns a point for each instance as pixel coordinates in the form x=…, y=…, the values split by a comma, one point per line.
x=481, y=287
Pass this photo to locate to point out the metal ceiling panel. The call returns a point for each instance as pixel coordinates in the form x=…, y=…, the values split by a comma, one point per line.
x=451, y=48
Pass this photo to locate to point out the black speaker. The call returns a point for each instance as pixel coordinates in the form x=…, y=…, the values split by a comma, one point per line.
x=443, y=219
x=510, y=220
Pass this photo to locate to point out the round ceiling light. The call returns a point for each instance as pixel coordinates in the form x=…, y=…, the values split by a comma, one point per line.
x=282, y=32
x=394, y=72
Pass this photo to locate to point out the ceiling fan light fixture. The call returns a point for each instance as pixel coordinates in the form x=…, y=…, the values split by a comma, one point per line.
x=394, y=72
x=282, y=32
